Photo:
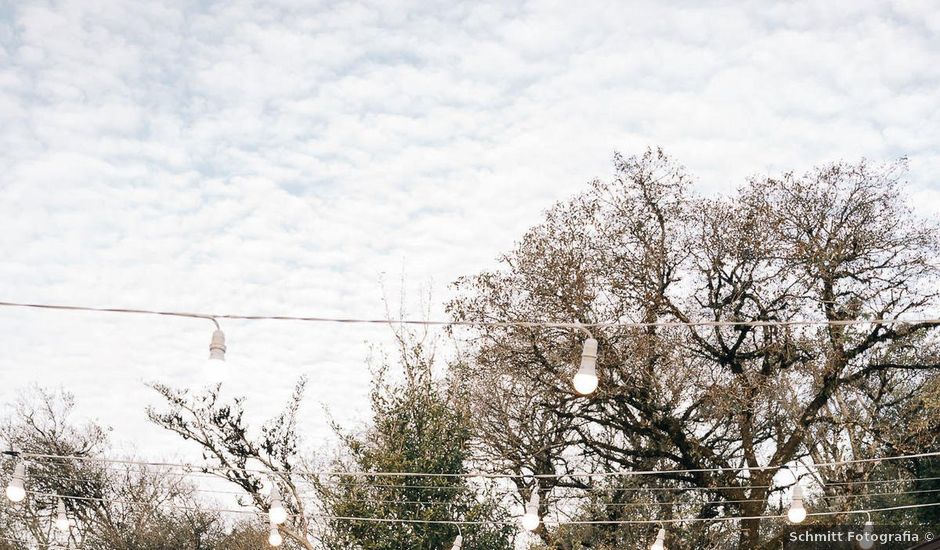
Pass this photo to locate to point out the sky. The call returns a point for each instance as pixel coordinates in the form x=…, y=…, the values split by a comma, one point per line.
x=317, y=158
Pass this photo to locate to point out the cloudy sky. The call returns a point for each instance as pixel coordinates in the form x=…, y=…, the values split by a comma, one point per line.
x=287, y=157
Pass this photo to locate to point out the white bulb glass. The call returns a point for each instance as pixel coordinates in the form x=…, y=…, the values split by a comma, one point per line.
x=275, y=538
x=277, y=514
x=16, y=492
x=62, y=524
x=585, y=383
x=530, y=521
x=867, y=541
x=796, y=513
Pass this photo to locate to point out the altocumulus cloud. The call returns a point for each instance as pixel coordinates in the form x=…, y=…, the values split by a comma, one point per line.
x=277, y=157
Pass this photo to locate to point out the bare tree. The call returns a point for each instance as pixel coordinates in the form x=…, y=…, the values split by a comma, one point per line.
x=833, y=245
x=113, y=506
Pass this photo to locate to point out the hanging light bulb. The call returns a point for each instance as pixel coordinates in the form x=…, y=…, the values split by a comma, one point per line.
x=659, y=543
x=61, y=519
x=274, y=537
x=266, y=486
x=585, y=381
x=797, y=512
x=215, y=369
x=16, y=490
x=868, y=540
x=530, y=520
x=458, y=543
x=276, y=513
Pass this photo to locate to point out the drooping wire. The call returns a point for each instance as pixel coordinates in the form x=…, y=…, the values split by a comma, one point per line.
x=523, y=324
x=551, y=522
x=340, y=473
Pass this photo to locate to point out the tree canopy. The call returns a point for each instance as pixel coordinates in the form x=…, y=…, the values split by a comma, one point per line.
x=419, y=424
x=113, y=506
x=835, y=244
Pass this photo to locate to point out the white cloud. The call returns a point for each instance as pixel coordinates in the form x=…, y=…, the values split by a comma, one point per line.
x=253, y=157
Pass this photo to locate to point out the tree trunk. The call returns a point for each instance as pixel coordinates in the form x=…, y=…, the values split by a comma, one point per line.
x=750, y=534
x=750, y=528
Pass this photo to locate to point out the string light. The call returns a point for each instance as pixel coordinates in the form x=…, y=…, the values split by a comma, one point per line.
x=623, y=473
x=61, y=519
x=624, y=489
x=276, y=512
x=585, y=381
x=470, y=323
x=659, y=543
x=16, y=490
x=274, y=537
x=797, y=512
x=868, y=540
x=504, y=493
x=214, y=369
x=501, y=523
x=530, y=520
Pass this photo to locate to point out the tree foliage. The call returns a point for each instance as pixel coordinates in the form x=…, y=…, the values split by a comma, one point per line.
x=688, y=388
x=114, y=506
x=835, y=244
x=419, y=425
x=234, y=453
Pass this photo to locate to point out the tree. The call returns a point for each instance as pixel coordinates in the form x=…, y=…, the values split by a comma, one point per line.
x=419, y=425
x=835, y=244
x=114, y=506
x=232, y=453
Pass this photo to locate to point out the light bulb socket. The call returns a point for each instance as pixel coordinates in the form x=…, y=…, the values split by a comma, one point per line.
x=62, y=519
x=660, y=542
x=589, y=354
x=217, y=345
x=534, y=501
